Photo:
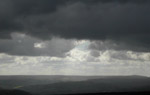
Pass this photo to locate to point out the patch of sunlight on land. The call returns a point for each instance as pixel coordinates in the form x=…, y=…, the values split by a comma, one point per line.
x=17, y=87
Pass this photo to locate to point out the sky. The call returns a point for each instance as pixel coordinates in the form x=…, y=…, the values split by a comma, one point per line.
x=75, y=37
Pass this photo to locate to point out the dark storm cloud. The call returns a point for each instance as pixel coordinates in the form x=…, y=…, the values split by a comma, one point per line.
x=12, y=10
x=125, y=22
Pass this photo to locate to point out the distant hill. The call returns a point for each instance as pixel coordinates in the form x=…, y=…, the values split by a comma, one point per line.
x=103, y=84
x=49, y=85
x=10, y=82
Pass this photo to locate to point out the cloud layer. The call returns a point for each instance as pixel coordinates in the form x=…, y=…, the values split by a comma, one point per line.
x=124, y=22
x=78, y=62
x=75, y=37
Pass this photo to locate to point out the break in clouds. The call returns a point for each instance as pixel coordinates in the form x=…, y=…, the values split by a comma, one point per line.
x=87, y=37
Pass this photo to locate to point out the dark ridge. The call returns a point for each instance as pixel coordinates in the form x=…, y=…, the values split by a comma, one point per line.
x=113, y=93
x=13, y=92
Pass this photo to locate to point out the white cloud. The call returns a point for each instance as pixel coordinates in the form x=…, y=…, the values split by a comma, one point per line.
x=78, y=61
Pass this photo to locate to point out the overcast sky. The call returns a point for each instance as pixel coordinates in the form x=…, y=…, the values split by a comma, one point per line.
x=75, y=37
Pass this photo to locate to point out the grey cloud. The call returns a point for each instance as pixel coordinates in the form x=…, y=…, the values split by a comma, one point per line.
x=5, y=59
x=22, y=44
x=118, y=45
x=124, y=22
x=94, y=53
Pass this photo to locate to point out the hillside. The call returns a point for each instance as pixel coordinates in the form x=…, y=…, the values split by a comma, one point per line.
x=13, y=92
x=104, y=84
x=11, y=82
